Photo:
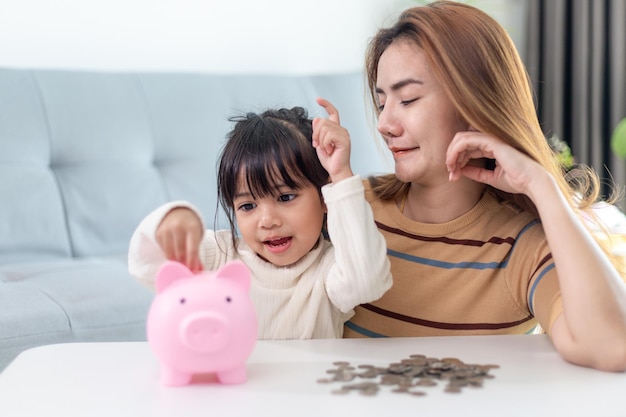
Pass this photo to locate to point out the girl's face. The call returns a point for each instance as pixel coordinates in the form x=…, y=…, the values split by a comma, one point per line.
x=281, y=228
x=417, y=121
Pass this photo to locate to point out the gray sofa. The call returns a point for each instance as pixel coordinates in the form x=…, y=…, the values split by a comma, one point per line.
x=84, y=156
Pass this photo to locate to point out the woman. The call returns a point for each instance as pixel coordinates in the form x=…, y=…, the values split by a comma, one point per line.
x=482, y=229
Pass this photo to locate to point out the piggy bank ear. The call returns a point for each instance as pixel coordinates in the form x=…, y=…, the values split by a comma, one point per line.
x=237, y=272
x=171, y=271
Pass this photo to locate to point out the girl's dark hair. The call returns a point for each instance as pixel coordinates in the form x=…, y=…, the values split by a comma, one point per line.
x=268, y=150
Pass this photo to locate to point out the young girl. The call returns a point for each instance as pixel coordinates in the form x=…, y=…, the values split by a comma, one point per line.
x=275, y=191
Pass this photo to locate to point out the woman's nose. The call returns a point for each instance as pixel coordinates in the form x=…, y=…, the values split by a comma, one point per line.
x=388, y=125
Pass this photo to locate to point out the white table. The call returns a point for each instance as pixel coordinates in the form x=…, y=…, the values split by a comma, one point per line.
x=122, y=379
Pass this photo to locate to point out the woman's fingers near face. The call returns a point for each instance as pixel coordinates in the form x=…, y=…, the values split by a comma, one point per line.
x=466, y=146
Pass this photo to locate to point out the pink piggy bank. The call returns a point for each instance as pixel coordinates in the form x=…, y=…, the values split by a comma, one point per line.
x=204, y=323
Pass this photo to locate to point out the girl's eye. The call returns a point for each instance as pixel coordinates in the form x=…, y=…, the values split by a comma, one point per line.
x=286, y=197
x=407, y=102
x=246, y=206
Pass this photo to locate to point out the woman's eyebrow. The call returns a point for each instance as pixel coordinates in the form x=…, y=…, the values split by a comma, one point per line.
x=401, y=84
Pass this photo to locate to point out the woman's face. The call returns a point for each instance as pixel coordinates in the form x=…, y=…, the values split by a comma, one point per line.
x=417, y=121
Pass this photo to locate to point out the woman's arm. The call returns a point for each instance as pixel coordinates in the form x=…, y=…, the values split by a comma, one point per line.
x=591, y=331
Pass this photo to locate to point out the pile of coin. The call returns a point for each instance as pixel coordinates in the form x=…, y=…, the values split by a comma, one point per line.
x=409, y=376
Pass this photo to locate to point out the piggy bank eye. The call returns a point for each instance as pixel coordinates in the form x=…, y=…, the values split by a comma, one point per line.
x=228, y=299
x=183, y=300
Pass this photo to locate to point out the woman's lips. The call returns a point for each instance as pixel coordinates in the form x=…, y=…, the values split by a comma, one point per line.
x=398, y=152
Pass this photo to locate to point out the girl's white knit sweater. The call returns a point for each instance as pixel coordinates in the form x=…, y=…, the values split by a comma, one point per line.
x=309, y=299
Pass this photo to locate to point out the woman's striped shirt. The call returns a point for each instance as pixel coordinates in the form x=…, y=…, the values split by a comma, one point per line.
x=489, y=271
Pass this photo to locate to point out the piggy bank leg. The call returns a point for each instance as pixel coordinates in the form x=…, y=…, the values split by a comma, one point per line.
x=236, y=375
x=172, y=377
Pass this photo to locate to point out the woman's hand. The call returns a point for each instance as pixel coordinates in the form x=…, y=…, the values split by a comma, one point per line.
x=514, y=172
x=179, y=235
x=332, y=142
x=591, y=331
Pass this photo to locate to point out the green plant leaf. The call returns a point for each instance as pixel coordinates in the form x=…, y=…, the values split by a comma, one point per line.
x=618, y=140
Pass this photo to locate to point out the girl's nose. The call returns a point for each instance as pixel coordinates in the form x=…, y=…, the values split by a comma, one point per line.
x=269, y=217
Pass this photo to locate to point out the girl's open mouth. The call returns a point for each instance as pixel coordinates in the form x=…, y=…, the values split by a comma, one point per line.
x=279, y=245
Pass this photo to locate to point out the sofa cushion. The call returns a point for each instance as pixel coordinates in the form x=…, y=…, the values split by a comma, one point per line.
x=32, y=218
x=91, y=299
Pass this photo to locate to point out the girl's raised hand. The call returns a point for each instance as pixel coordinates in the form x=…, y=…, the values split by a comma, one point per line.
x=514, y=171
x=332, y=143
x=179, y=234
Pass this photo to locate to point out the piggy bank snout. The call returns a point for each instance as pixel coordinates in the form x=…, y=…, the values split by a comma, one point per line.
x=204, y=332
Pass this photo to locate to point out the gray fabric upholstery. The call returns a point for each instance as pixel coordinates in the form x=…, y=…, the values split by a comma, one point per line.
x=84, y=156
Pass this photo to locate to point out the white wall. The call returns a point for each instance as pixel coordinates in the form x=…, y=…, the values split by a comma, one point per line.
x=290, y=36
x=204, y=35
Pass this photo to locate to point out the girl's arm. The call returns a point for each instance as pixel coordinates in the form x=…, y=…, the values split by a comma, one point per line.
x=362, y=271
x=332, y=142
x=591, y=331
x=156, y=240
